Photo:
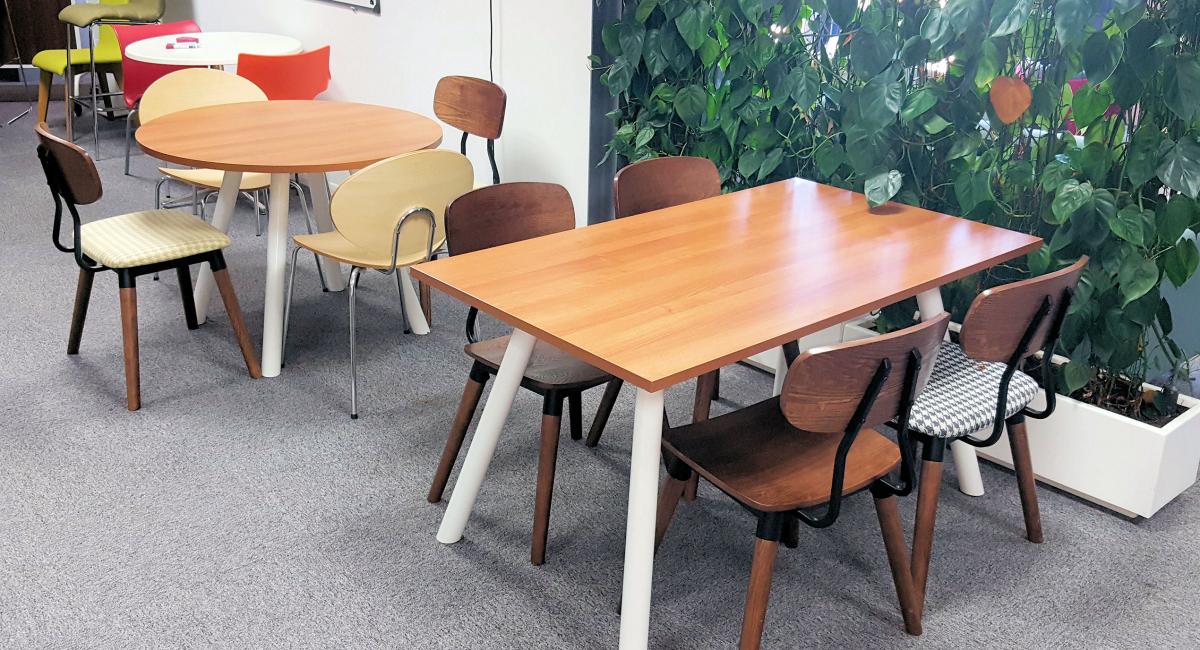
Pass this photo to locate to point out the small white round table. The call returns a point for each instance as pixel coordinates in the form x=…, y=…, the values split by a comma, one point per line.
x=216, y=48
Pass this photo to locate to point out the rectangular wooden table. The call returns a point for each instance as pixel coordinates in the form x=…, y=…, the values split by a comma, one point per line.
x=666, y=296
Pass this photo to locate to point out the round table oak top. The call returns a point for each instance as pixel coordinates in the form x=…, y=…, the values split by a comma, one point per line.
x=215, y=48
x=287, y=136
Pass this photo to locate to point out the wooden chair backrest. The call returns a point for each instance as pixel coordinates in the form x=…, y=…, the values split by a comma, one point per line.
x=664, y=182
x=999, y=317
x=195, y=88
x=824, y=386
x=471, y=105
x=495, y=215
x=79, y=175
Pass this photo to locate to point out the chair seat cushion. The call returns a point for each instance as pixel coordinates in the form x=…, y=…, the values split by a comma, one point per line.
x=55, y=61
x=149, y=237
x=549, y=368
x=756, y=456
x=84, y=14
x=333, y=245
x=211, y=178
x=960, y=398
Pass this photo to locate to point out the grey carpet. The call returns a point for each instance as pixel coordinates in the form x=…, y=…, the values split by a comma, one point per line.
x=239, y=513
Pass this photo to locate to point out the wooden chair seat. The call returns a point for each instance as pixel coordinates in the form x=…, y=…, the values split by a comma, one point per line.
x=549, y=368
x=756, y=456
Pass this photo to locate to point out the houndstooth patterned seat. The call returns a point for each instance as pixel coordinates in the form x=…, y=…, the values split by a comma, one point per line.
x=960, y=398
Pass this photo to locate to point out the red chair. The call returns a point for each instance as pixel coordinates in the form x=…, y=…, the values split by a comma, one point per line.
x=136, y=75
x=290, y=76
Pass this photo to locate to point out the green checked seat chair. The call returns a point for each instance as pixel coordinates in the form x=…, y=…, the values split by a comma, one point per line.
x=85, y=16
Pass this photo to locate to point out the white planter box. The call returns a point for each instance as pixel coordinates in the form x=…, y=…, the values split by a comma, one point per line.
x=1119, y=463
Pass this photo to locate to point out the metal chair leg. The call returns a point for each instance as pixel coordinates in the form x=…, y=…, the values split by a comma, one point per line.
x=308, y=221
x=94, y=80
x=353, y=286
x=258, y=213
x=287, y=306
x=403, y=311
x=128, y=137
x=68, y=89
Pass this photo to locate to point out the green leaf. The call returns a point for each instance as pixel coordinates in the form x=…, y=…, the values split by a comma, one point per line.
x=1178, y=214
x=710, y=52
x=1141, y=159
x=936, y=28
x=973, y=188
x=934, y=124
x=1008, y=16
x=751, y=8
x=1075, y=375
x=750, y=162
x=1055, y=174
x=806, y=87
x=693, y=24
x=1071, y=18
x=870, y=53
x=1141, y=54
x=915, y=51
x=1128, y=224
x=842, y=11
x=691, y=104
x=1180, y=263
x=987, y=67
x=1127, y=85
x=1089, y=223
x=829, y=156
x=1095, y=160
x=645, y=7
x=618, y=76
x=632, y=38
x=881, y=187
x=917, y=103
x=1070, y=197
x=1101, y=54
x=964, y=14
x=643, y=137
x=964, y=145
x=1137, y=276
x=1179, y=166
x=1182, y=94
x=1090, y=103
x=770, y=163
x=608, y=36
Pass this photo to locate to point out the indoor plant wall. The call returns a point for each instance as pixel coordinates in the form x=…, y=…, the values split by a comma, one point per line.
x=970, y=107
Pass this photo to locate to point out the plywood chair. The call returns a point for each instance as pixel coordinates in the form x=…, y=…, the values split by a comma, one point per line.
x=493, y=216
x=810, y=448
x=387, y=217
x=977, y=384
x=132, y=245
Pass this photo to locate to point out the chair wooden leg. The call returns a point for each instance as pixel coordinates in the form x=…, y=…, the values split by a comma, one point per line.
x=221, y=276
x=189, y=302
x=575, y=410
x=668, y=500
x=43, y=98
x=927, y=500
x=893, y=541
x=129, y=332
x=426, y=299
x=706, y=386
x=547, y=458
x=83, y=294
x=790, y=537
x=1018, y=440
x=458, y=432
x=758, y=593
x=716, y=386
x=611, y=391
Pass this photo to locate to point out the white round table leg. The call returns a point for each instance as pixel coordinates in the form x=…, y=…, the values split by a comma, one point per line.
x=222, y=215
x=277, y=237
x=966, y=464
x=487, y=434
x=639, y=524
x=781, y=368
x=412, y=304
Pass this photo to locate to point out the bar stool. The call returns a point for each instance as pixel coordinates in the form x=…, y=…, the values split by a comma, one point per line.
x=132, y=245
x=86, y=16
x=978, y=382
x=809, y=448
x=53, y=63
x=493, y=216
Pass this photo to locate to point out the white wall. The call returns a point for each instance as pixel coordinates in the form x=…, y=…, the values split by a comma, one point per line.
x=395, y=58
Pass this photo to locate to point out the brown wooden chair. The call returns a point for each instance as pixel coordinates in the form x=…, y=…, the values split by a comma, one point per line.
x=131, y=245
x=475, y=107
x=660, y=183
x=977, y=383
x=493, y=216
x=810, y=447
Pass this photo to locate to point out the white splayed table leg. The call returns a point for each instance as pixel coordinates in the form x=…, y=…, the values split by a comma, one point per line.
x=639, y=523
x=966, y=464
x=222, y=214
x=487, y=434
x=277, y=241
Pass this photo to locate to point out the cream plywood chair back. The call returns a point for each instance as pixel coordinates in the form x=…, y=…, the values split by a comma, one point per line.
x=195, y=88
x=367, y=206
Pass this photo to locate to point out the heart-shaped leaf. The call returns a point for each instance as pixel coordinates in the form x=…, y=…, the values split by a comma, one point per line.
x=1180, y=263
x=1008, y=16
x=1141, y=160
x=881, y=187
x=1089, y=103
x=1101, y=54
x=1010, y=98
x=693, y=24
x=1137, y=276
x=691, y=103
x=1129, y=224
x=1179, y=165
x=1070, y=197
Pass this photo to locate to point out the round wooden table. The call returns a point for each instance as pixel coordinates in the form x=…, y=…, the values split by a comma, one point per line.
x=284, y=138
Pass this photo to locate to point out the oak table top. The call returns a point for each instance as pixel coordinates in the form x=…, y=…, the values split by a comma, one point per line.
x=665, y=296
x=287, y=136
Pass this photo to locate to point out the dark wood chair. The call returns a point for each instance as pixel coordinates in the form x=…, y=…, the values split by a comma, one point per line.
x=809, y=448
x=493, y=216
x=977, y=383
x=475, y=107
x=660, y=183
x=132, y=245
